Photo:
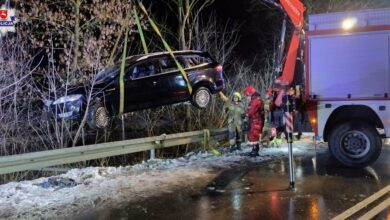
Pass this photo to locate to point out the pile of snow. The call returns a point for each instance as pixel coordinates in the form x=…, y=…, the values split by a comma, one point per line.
x=97, y=187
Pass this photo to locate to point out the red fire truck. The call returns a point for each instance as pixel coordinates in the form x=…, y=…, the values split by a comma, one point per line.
x=346, y=77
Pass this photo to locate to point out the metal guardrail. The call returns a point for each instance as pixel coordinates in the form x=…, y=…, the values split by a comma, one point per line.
x=42, y=159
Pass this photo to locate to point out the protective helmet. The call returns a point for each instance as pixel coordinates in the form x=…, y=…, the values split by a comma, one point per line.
x=249, y=91
x=238, y=95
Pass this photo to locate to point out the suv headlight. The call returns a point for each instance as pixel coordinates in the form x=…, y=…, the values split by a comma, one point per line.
x=68, y=98
x=47, y=102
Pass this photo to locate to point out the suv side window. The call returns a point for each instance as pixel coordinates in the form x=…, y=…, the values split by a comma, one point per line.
x=195, y=60
x=167, y=64
x=143, y=70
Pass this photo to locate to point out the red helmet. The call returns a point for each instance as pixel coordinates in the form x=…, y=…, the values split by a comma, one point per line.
x=249, y=91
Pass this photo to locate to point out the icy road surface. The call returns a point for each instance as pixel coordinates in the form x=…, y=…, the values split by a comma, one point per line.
x=100, y=187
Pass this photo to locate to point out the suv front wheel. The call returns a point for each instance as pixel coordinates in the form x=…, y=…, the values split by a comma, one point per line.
x=201, y=97
x=98, y=117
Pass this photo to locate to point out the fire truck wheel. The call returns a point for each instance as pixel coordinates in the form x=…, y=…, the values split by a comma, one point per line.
x=355, y=144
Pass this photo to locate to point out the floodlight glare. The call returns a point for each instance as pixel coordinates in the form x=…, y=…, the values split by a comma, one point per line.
x=349, y=23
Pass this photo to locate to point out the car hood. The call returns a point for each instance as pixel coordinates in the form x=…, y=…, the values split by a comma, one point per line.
x=104, y=79
x=107, y=74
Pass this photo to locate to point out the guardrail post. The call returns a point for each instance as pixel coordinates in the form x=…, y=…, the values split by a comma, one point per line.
x=123, y=127
x=206, y=139
x=153, y=151
x=83, y=135
x=152, y=154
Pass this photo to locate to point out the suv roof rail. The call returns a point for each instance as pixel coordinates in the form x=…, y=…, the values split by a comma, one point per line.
x=145, y=56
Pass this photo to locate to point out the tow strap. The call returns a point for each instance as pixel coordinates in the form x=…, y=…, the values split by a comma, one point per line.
x=166, y=45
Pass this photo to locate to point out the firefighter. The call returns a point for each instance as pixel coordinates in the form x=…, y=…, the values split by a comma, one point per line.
x=245, y=120
x=300, y=111
x=235, y=111
x=278, y=121
x=255, y=109
x=268, y=118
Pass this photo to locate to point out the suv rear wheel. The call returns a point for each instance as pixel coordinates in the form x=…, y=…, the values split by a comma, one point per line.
x=201, y=97
x=98, y=117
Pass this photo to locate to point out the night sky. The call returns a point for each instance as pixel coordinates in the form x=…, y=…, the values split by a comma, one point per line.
x=260, y=24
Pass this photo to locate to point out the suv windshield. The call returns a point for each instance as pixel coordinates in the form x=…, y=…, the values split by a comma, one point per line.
x=107, y=72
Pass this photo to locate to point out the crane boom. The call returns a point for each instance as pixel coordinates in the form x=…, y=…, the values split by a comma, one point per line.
x=295, y=11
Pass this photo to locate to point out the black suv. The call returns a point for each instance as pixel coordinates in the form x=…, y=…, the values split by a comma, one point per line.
x=150, y=80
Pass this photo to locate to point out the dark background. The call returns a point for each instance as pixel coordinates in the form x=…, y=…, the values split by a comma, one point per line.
x=260, y=22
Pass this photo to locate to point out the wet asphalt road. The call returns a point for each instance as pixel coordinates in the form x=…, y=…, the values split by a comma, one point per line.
x=324, y=189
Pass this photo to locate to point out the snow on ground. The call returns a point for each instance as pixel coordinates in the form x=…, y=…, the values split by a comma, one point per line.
x=98, y=187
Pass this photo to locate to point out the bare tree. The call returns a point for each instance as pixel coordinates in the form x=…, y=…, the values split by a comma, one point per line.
x=74, y=28
x=217, y=38
x=17, y=95
x=187, y=13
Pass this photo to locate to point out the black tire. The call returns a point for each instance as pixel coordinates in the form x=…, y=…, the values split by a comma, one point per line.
x=97, y=117
x=355, y=144
x=201, y=97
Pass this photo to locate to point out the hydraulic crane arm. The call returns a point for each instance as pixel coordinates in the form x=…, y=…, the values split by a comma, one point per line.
x=295, y=11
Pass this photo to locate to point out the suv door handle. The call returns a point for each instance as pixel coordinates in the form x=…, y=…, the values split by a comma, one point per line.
x=154, y=83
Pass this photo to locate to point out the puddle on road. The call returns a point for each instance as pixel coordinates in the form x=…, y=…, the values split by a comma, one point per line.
x=323, y=190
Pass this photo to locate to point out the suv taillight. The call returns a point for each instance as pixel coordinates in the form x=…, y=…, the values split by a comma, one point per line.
x=219, y=69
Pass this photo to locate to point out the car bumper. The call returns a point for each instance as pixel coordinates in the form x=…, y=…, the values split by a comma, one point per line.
x=66, y=111
x=219, y=85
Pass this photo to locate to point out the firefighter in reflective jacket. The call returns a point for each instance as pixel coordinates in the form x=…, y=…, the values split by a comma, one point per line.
x=235, y=111
x=268, y=108
x=255, y=113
